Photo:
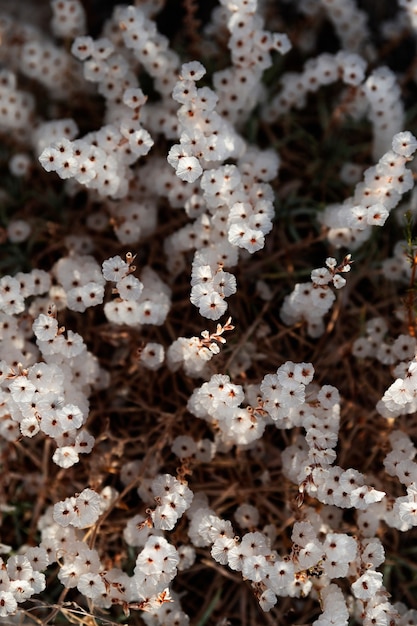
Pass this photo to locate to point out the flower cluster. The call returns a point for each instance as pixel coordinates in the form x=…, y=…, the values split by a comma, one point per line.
x=153, y=472
x=350, y=223
x=138, y=302
x=194, y=353
x=318, y=72
x=38, y=396
x=311, y=301
x=375, y=344
x=20, y=579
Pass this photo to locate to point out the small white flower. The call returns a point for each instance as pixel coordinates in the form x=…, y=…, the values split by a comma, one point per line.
x=367, y=585
x=114, y=268
x=189, y=169
x=321, y=276
x=8, y=603
x=91, y=585
x=22, y=389
x=69, y=417
x=129, y=287
x=64, y=512
x=404, y=144
x=377, y=215
x=65, y=457
x=88, y=508
x=212, y=306
x=192, y=71
x=45, y=327
x=220, y=549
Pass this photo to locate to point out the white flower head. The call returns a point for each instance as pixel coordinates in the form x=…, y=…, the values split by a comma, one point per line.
x=189, y=169
x=192, y=71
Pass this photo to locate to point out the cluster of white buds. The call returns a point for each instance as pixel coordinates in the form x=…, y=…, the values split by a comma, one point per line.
x=400, y=463
x=312, y=564
x=237, y=200
x=198, y=119
x=151, y=355
x=311, y=301
x=309, y=462
x=101, y=161
x=29, y=51
x=156, y=566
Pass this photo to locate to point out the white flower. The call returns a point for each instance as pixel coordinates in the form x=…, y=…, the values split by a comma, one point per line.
x=303, y=533
x=321, y=276
x=338, y=281
x=397, y=395
x=18, y=566
x=91, y=585
x=310, y=554
x=84, y=442
x=367, y=585
x=18, y=230
x=21, y=589
x=247, y=516
x=254, y=567
x=29, y=426
x=220, y=549
x=194, y=70
x=88, y=508
x=22, y=389
x=189, y=169
x=115, y=268
x=134, y=97
x=8, y=603
x=328, y=396
x=283, y=576
x=65, y=457
x=377, y=215
x=212, y=306
x=50, y=159
x=69, y=416
x=45, y=327
x=267, y=600
x=129, y=287
x=64, y=512
x=404, y=144
x=184, y=447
